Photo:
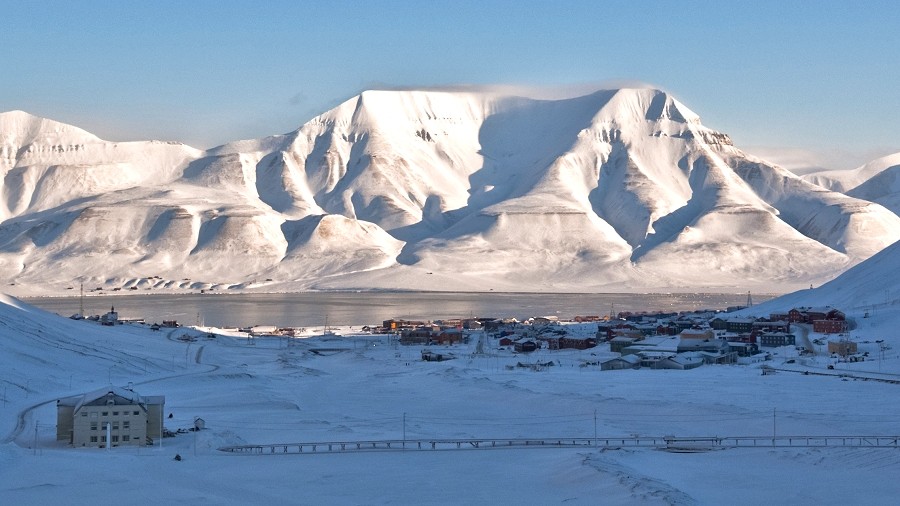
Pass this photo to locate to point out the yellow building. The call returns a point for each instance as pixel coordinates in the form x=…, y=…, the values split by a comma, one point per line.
x=129, y=418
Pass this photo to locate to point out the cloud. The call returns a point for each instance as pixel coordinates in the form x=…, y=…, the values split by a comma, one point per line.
x=299, y=98
x=543, y=92
x=802, y=161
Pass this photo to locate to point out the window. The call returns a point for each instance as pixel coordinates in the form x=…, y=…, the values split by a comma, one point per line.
x=102, y=439
x=115, y=413
x=115, y=439
x=84, y=413
x=93, y=425
x=115, y=426
x=126, y=437
x=93, y=439
x=106, y=413
x=126, y=425
x=135, y=413
x=94, y=414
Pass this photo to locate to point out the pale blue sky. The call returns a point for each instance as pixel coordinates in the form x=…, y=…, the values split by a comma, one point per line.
x=817, y=76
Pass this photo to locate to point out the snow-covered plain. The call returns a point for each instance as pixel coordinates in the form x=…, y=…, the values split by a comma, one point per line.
x=363, y=388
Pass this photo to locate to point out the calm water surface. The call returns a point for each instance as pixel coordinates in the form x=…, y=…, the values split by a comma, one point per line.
x=367, y=308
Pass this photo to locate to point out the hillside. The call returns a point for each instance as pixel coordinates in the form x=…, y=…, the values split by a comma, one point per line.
x=364, y=387
x=619, y=190
x=882, y=188
x=845, y=180
x=870, y=287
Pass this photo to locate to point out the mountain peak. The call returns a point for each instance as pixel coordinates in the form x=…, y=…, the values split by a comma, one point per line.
x=19, y=128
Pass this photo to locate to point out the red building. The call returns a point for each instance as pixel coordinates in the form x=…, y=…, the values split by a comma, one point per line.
x=830, y=326
x=578, y=343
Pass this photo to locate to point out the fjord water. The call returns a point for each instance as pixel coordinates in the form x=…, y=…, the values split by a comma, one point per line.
x=370, y=308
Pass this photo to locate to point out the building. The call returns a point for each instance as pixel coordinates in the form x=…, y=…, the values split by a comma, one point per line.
x=449, y=336
x=577, y=342
x=772, y=326
x=681, y=361
x=811, y=314
x=133, y=419
x=616, y=345
x=773, y=339
x=843, y=347
x=619, y=363
x=830, y=326
x=743, y=349
x=110, y=318
x=524, y=345
x=739, y=325
x=697, y=334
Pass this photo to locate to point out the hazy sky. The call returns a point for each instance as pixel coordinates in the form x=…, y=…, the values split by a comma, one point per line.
x=814, y=81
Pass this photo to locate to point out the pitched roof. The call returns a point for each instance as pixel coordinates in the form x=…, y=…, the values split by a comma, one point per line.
x=129, y=396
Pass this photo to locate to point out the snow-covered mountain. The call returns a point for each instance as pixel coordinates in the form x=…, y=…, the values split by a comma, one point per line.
x=882, y=188
x=845, y=180
x=869, y=287
x=617, y=190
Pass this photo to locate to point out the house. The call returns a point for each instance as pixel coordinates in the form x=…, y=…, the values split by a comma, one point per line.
x=430, y=356
x=743, y=349
x=811, y=314
x=697, y=334
x=772, y=326
x=716, y=346
x=110, y=318
x=756, y=358
x=718, y=323
x=420, y=335
x=771, y=339
x=524, y=345
x=843, y=347
x=666, y=345
x=395, y=324
x=577, y=342
x=617, y=344
x=544, y=320
x=739, y=325
x=132, y=419
x=449, y=336
x=779, y=316
x=619, y=363
x=830, y=326
x=681, y=361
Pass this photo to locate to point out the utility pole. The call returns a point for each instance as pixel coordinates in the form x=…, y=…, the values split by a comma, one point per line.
x=595, y=427
x=773, y=426
x=404, y=430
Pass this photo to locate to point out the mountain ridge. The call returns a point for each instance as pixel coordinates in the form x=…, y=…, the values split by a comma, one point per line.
x=619, y=189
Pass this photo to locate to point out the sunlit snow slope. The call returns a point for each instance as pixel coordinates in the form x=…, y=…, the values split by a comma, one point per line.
x=617, y=190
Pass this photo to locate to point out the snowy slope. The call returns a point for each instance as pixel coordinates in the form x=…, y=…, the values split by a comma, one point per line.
x=365, y=388
x=845, y=180
x=882, y=188
x=616, y=190
x=869, y=286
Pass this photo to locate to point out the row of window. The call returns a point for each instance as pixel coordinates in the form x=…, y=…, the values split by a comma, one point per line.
x=114, y=413
x=115, y=425
x=115, y=439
